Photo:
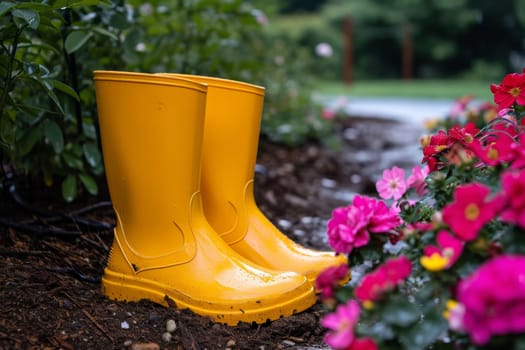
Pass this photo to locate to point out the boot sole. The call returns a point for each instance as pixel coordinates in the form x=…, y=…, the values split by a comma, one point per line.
x=122, y=287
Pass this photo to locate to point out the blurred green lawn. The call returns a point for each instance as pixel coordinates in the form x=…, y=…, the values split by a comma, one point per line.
x=434, y=89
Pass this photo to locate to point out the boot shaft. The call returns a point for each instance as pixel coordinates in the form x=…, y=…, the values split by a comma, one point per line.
x=151, y=131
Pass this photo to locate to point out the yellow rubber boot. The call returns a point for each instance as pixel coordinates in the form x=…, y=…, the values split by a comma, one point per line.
x=231, y=136
x=164, y=249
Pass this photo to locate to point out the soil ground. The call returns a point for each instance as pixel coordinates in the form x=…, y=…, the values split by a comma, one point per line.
x=50, y=264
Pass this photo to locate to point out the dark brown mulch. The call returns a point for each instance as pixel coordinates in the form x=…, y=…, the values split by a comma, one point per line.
x=50, y=292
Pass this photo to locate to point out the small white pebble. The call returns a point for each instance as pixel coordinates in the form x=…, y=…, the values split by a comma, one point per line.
x=231, y=343
x=166, y=337
x=128, y=343
x=171, y=326
x=288, y=343
x=124, y=325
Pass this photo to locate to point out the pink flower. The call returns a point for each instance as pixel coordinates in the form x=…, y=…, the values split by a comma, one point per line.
x=341, y=325
x=350, y=226
x=510, y=91
x=513, y=184
x=455, y=314
x=448, y=250
x=328, y=114
x=417, y=180
x=392, y=184
x=470, y=211
x=385, y=278
x=459, y=106
x=329, y=278
x=494, y=298
x=363, y=344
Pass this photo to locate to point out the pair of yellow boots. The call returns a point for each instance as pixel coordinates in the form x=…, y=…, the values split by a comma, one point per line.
x=180, y=153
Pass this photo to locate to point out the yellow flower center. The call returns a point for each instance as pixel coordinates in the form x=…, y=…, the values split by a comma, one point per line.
x=435, y=262
x=493, y=154
x=515, y=91
x=472, y=212
x=451, y=304
x=368, y=304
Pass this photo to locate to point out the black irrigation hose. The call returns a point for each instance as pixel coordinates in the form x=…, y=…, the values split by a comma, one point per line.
x=54, y=216
x=39, y=230
x=75, y=273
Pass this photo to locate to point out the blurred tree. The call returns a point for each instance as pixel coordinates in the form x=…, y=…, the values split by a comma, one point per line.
x=289, y=6
x=294, y=6
x=451, y=37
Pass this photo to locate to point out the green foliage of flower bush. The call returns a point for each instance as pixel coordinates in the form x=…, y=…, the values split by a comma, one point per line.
x=438, y=261
x=48, y=51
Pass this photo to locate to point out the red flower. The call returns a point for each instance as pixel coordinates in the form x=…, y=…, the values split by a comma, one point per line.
x=470, y=210
x=363, y=344
x=465, y=135
x=386, y=277
x=438, y=143
x=510, y=91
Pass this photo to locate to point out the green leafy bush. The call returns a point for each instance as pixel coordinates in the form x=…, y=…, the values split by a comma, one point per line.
x=46, y=107
x=48, y=51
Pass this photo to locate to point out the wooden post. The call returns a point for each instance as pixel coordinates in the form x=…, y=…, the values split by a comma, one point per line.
x=406, y=52
x=348, y=64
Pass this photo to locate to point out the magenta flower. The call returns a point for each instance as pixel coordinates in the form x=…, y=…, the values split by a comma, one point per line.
x=350, y=226
x=498, y=144
x=383, y=279
x=341, y=325
x=513, y=184
x=417, y=180
x=393, y=184
x=329, y=278
x=470, y=211
x=459, y=106
x=347, y=229
x=518, y=149
x=494, y=298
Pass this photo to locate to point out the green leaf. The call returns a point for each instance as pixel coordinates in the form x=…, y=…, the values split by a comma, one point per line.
x=424, y=333
x=53, y=135
x=30, y=17
x=75, y=40
x=28, y=141
x=79, y=3
x=73, y=161
x=89, y=183
x=65, y=89
x=118, y=20
x=7, y=129
x=5, y=6
x=105, y=32
x=400, y=312
x=92, y=154
x=51, y=94
x=69, y=188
